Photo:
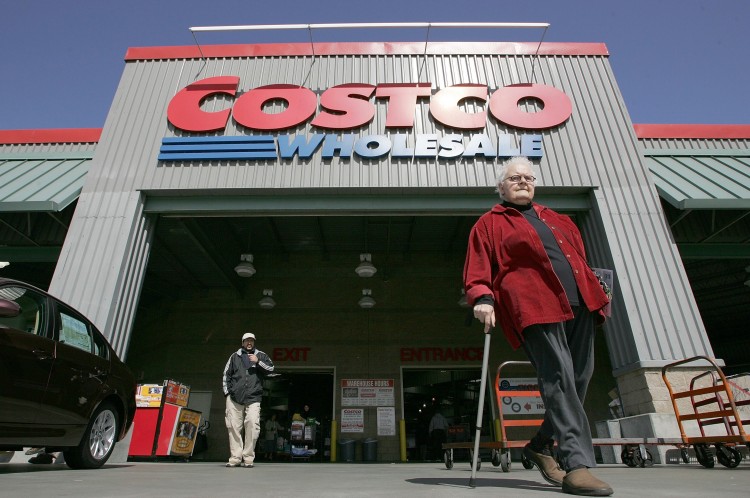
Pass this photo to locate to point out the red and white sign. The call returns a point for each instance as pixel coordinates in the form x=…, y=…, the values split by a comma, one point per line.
x=349, y=106
x=352, y=420
x=367, y=392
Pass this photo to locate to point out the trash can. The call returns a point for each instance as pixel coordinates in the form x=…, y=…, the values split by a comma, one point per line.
x=370, y=450
x=346, y=450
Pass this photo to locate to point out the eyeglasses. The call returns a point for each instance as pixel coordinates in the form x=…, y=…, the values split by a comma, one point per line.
x=518, y=178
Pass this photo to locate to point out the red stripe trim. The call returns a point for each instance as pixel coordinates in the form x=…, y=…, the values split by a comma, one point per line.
x=692, y=131
x=364, y=48
x=51, y=136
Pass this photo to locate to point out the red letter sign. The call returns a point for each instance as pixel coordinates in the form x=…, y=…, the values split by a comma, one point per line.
x=444, y=106
x=184, y=111
x=403, y=101
x=557, y=106
x=301, y=104
x=352, y=104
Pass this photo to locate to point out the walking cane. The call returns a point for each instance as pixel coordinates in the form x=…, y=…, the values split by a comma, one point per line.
x=482, y=387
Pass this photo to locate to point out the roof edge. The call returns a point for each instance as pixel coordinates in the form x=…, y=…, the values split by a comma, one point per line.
x=51, y=136
x=716, y=131
x=364, y=48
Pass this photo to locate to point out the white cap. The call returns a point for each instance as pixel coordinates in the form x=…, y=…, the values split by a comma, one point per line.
x=248, y=335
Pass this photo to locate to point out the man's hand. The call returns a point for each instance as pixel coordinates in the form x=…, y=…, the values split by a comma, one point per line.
x=253, y=358
x=485, y=313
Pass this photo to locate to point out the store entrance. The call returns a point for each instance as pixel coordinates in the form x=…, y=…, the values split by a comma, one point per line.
x=452, y=392
x=285, y=395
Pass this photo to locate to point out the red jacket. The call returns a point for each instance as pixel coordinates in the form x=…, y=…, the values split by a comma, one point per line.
x=505, y=258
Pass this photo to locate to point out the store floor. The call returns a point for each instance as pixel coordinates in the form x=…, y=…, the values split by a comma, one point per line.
x=355, y=479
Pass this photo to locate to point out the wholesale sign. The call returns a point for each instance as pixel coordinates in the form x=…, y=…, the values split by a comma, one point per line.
x=347, y=107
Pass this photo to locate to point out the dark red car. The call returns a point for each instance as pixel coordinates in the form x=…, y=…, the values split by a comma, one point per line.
x=62, y=386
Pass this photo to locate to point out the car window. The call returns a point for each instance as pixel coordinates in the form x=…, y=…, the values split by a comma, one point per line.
x=100, y=346
x=33, y=306
x=74, y=331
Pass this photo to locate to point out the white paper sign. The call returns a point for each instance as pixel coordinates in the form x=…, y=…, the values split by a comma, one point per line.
x=352, y=420
x=386, y=421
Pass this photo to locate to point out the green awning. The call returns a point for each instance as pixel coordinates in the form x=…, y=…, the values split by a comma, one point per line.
x=701, y=179
x=46, y=182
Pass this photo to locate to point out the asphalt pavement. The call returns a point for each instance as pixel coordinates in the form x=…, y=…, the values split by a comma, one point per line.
x=303, y=479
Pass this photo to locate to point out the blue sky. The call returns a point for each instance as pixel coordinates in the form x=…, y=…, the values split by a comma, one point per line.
x=676, y=61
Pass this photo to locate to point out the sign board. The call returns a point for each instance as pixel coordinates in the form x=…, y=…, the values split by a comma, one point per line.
x=176, y=393
x=386, y=421
x=186, y=430
x=148, y=395
x=367, y=392
x=352, y=420
x=520, y=405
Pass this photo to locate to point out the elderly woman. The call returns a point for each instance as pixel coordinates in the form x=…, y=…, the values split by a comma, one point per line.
x=526, y=271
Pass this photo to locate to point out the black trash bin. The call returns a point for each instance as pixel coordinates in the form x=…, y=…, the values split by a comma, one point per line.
x=346, y=450
x=370, y=450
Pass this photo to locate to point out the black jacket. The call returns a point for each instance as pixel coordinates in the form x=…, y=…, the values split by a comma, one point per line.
x=244, y=384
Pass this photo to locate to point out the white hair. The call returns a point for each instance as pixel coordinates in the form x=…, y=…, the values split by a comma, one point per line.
x=510, y=162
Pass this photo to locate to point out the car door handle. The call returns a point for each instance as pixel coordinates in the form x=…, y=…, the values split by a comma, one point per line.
x=42, y=354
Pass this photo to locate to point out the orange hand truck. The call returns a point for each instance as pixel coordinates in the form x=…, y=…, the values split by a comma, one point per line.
x=717, y=405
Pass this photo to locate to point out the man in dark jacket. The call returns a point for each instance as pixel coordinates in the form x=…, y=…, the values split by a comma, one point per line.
x=243, y=389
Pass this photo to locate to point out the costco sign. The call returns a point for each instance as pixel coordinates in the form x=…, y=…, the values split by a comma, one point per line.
x=351, y=106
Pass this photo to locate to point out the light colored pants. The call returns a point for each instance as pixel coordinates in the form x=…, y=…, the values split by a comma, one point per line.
x=242, y=418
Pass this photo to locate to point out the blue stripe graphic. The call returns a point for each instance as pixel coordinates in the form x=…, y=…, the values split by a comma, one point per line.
x=203, y=148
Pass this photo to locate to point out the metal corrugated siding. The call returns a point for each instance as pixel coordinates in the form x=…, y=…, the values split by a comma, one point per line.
x=702, y=181
x=43, y=177
x=656, y=320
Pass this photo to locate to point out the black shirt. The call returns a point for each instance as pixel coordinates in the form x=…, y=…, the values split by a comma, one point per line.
x=560, y=263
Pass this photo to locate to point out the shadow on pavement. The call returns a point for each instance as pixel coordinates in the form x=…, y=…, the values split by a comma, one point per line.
x=461, y=482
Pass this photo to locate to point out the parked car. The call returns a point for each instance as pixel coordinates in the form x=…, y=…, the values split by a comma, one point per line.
x=62, y=386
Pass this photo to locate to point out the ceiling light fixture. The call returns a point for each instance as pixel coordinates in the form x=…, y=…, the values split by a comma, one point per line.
x=367, y=301
x=245, y=268
x=365, y=269
x=267, y=302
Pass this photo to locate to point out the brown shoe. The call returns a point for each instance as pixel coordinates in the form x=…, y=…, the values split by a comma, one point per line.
x=551, y=472
x=581, y=482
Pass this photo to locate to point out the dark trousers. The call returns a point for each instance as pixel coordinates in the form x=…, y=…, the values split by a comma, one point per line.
x=437, y=438
x=563, y=355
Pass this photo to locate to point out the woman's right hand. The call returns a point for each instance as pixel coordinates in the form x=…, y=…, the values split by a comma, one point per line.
x=485, y=313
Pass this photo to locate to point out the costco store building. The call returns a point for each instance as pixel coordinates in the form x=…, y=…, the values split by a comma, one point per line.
x=308, y=163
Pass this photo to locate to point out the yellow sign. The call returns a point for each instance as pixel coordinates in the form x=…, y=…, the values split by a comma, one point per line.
x=148, y=396
x=185, y=432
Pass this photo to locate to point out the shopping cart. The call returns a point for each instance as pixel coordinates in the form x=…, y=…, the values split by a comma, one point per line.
x=717, y=402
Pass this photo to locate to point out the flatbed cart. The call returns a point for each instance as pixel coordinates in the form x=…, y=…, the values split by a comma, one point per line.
x=715, y=405
x=500, y=450
x=634, y=452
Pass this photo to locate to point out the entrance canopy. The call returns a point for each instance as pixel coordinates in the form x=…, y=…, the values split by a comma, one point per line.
x=41, y=182
x=41, y=176
x=702, y=179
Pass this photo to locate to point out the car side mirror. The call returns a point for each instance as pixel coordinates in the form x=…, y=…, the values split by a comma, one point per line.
x=9, y=309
